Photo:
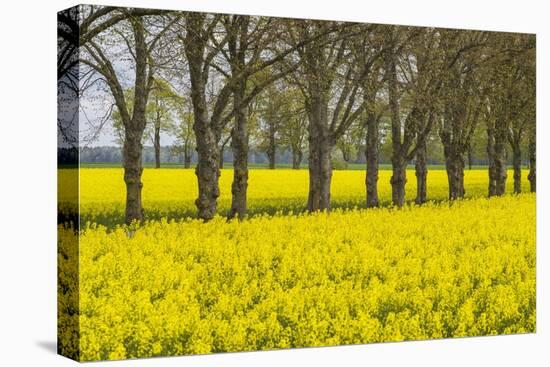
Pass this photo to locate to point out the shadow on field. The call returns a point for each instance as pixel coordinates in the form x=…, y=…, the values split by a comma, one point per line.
x=171, y=211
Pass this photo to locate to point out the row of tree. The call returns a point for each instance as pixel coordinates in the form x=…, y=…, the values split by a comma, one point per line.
x=323, y=81
x=284, y=156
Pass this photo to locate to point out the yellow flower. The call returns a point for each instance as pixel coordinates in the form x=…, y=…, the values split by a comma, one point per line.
x=347, y=277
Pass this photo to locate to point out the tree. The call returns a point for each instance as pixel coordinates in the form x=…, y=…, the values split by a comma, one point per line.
x=202, y=43
x=163, y=101
x=421, y=67
x=532, y=176
x=238, y=48
x=294, y=135
x=184, y=134
x=139, y=44
x=348, y=142
x=273, y=113
x=400, y=146
x=255, y=62
x=281, y=121
x=368, y=50
x=510, y=105
x=160, y=110
x=116, y=119
x=80, y=24
x=522, y=102
x=68, y=86
x=331, y=78
x=225, y=142
x=293, y=126
x=195, y=37
x=373, y=114
x=77, y=25
x=409, y=129
x=461, y=103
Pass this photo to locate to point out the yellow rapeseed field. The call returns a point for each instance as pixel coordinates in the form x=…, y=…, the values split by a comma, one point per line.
x=172, y=287
x=171, y=193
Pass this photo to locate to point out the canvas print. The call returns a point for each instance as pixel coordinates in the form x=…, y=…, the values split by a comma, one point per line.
x=233, y=183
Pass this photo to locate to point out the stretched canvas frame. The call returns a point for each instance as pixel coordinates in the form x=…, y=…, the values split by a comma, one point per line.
x=324, y=251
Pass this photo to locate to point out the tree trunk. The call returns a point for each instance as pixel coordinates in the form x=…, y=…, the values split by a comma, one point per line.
x=132, y=151
x=134, y=128
x=470, y=157
x=372, y=156
x=134, y=125
x=500, y=163
x=516, y=149
x=271, y=149
x=421, y=171
x=207, y=132
x=399, y=161
x=296, y=158
x=222, y=150
x=346, y=155
x=491, y=158
x=187, y=158
x=207, y=172
x=320, y=176
x=398, y=180
x=320, y=147
x=454, y=164
x=207, y=169
x=532, y=164
x=239, y=143
x=156, y=143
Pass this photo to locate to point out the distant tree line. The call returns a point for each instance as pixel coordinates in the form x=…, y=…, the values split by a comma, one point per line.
x=283, y=156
